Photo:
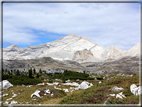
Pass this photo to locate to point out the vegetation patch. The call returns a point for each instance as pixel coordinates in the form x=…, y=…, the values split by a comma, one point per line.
x=99, y=93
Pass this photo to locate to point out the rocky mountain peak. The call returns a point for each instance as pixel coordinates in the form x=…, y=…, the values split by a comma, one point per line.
x=71, y=35
x=13, y=46
x=70, y=47
x=134, y=51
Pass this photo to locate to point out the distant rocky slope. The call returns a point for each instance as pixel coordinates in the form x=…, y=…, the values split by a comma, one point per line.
x=127, y=65
x=70, y=47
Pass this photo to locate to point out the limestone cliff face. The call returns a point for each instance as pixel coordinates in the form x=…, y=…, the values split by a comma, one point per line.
x=82, y=55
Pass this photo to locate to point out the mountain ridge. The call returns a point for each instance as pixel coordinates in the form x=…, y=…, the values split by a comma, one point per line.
x=65, y=49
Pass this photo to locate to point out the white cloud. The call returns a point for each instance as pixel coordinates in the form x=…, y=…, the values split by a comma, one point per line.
x=105, y=24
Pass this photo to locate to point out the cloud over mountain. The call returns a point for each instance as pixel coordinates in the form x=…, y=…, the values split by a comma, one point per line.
x=104, y=23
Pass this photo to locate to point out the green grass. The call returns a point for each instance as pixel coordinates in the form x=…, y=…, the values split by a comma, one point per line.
x=98, y=93
x=25, y=94
x=129, y=100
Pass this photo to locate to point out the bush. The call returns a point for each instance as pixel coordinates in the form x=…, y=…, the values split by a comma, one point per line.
x=21, y=79
x=5, y=77
x=99, y=78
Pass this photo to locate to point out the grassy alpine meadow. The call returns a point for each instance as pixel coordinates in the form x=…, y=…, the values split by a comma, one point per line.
x=99, y=93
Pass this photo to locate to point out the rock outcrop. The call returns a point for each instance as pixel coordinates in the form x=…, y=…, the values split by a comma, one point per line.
x=6, y=84
x=136, y=90
x=83, y=55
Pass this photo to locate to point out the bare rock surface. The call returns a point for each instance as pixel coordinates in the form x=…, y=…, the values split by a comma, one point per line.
x=72, y=52
x=136, y=90
x=120, y=95
x=70, y=47
x=6, y=84
x=115, y=88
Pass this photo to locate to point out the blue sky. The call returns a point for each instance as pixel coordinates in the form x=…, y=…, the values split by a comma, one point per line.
x=106, y=24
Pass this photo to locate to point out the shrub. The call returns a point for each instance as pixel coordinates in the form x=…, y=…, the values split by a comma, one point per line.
x=99, y=78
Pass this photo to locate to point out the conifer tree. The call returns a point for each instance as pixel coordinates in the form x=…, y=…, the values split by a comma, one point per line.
x=17, y=73
x=34, y=71
x=11, y=72
x=37, y=75
x=30, y=73
x=40, y=71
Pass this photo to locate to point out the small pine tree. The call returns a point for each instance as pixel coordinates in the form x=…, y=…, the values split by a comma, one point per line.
x=84, y=72
x=37, y=75
x=34, y=71
x=63, y=78
x=11, y=72
x=30, y=73
x=17, y=73
x=40, y=71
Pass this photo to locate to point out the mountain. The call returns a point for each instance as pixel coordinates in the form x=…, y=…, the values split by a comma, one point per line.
x=134, y=51
x=70, y=47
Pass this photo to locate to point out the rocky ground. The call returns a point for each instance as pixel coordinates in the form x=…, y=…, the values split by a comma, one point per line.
x=127, y=65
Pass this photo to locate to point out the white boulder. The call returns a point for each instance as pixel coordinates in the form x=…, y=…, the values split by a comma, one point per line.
x=23, y=85
x=71, y=87
x=100, y=82
x=77, y=88
x=47, y=91
x=71, y=84
x=85, y=85
x=13, y=102
x=57, y=88
x=66, y=90
x=14, y=95
x=9, y=99
x=6, y=102
x=112, y=94
x=77, y=80
x=68, y=80
x=120, y=95
x=49, y=84
x=6, y=84
x=115, y=88
x=52, y=95
x=140, y=90
x=55, y=83
x=40, y=84
x=36, y=93
x=136, y=90
x=29, y=86
x=5, y=95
